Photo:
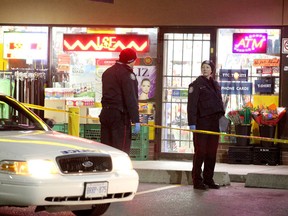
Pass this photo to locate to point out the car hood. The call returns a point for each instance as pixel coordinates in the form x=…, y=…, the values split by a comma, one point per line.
x=46, y=144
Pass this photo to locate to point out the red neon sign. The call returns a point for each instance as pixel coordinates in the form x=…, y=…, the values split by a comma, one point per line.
x=105, y=42
x=249, y=42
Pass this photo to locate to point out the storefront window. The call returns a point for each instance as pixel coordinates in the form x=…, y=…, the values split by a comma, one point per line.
x=23, y=47
x=82, y=68
x=24, y=63
x=82, y=54
x=248, y=63
x=248, y=69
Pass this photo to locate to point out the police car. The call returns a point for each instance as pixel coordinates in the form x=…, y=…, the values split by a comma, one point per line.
x=58, y=172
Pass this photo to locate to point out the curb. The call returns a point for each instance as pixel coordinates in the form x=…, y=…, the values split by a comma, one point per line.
x=176, y=177
x=255, y=180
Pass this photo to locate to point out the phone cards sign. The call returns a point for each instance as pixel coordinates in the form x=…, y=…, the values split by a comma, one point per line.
x=236, y=88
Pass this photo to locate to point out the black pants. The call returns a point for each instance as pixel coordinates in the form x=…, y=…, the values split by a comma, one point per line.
x=115, y=129
x=205, y=150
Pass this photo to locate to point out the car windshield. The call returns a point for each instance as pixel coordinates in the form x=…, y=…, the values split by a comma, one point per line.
x=14, y=116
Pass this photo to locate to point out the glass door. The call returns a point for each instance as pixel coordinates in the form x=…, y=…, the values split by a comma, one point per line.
x=183, y=54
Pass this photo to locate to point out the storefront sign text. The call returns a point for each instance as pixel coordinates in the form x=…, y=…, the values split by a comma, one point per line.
x=264, y=86
x=275, y=62
x=249, y=43
x=237, y=88
x=106, y=62
x=105, y=42
x=233, y=75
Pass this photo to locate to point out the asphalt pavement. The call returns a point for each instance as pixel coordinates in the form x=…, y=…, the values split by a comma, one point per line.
x=183, y=200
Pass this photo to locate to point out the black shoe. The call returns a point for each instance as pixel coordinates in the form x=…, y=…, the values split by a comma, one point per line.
x=213, y=186
x=200, y=186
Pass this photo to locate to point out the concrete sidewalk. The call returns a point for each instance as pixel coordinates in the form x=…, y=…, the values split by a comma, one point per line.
x=179, y=172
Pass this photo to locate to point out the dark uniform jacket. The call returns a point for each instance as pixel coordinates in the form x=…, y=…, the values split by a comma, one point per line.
x=204, y=100
x=120, y=90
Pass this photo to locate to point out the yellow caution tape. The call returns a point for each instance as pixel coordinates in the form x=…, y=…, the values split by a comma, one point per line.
x=222, y=134
x=32, y=106
x=171, y=128
x=43, y=108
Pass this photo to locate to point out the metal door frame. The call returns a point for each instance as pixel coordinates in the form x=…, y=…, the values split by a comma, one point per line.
x=158, y=118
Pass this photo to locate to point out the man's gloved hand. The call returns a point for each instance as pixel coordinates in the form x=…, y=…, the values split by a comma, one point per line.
x=136, y=128
x=192, y=127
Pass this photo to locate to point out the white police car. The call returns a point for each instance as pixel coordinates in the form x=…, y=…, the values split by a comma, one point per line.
x=57, y=172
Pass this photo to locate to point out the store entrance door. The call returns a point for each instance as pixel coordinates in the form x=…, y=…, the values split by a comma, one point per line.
x=183, y=51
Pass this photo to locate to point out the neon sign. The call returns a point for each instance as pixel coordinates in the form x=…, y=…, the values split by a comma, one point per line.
x=249, y=43
x=105, y=42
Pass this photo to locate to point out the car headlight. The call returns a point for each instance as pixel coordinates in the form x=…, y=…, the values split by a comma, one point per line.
x=31, y=167
x=122, y=163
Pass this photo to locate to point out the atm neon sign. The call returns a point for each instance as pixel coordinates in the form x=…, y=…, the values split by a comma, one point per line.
x=249, y=43
x=105, y=42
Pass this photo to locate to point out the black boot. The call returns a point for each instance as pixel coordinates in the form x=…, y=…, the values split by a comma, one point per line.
x=200, y=186
x=212, y=184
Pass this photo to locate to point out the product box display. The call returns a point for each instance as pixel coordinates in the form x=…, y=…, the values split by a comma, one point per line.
x=58, y=116
x=93, y=115
x=146, y=115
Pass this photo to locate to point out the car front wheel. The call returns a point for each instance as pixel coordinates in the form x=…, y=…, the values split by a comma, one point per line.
x=97, y=210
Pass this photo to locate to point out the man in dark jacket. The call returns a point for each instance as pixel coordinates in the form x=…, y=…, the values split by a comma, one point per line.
x=120, y=102
x=205, y=108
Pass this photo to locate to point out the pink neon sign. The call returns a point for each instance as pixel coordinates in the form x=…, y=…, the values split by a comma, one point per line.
x=249, y=43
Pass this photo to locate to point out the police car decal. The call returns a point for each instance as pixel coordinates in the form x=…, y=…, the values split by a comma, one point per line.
x=72, y=151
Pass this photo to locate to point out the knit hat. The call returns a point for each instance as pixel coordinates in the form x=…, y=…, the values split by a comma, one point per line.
x=209, y=63
x=127, y=56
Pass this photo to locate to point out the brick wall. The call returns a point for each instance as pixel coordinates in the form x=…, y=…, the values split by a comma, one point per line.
x=151, y=150
x=222, y=153
x=284, y=154
x=284, y=158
